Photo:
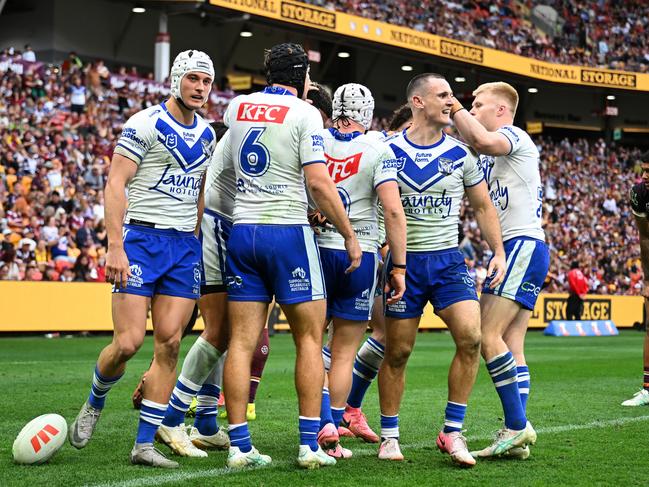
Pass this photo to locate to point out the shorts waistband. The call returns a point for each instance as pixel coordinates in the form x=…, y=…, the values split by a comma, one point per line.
x=523, y=237
x=170, y=232
x=434, y=252
x=217, y=214
x=276, y=225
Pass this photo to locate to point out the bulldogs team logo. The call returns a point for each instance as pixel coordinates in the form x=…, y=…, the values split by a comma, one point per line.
x=206, y=147
x=171, y=141
x=445, y=165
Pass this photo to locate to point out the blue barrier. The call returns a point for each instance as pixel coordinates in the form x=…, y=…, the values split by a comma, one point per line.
x=560, y=328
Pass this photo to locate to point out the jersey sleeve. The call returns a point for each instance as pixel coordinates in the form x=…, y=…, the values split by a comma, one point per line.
x=473, y=174
x=512, y=135
x=137, y=138
x=638, y=197
x=385, y=168
x=311, y=140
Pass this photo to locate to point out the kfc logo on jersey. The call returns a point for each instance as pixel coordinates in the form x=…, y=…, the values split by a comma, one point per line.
x=341, y=169
x=251, y=112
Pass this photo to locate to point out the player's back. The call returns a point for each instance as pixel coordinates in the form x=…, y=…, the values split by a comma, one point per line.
x=272, y=135
x=357, y=163
x=515, y=186
x=220, y=180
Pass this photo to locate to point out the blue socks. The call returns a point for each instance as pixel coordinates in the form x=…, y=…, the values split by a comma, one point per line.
x=337, y=415
x=325, y=408
x=151, y=414
x=309, y=428
x=502, y=369
x=206, y=409
x=454, y=416
x=181, y=398
x=523, y=384
x=100, y=387
x=366, y=366
x=240, y=436
x=389, y=426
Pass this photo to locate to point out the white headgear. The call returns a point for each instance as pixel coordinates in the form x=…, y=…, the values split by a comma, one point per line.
x=186, y=62
x=355, y=102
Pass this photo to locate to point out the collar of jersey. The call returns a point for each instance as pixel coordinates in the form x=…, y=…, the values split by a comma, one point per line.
x=164, y=107
x=346, y=137
x=405, y=136
x=277, y=90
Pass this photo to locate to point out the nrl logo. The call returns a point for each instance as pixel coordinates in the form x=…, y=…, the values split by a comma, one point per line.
x=171, y=141
x=445, y=165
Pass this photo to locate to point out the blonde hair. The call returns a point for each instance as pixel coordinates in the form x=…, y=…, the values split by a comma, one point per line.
x=501, y=89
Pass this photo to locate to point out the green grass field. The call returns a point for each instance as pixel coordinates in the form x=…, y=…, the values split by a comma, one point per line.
x=585, y=437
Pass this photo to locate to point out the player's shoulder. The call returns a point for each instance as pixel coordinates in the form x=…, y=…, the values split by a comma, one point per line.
x=516, y=135
x=148, y=116
x=454, y=142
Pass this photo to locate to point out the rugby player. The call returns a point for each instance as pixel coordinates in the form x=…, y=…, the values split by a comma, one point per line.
x=510, y=162
x=275, y=146
x=153, y=254
x=640, y=206
x=362, y=170
x=435, y=171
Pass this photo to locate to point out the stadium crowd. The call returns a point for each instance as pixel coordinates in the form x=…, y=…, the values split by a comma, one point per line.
x=62, y=123
x=598, y=33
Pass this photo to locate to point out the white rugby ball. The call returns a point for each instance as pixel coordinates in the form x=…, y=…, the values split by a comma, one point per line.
x=40, y=439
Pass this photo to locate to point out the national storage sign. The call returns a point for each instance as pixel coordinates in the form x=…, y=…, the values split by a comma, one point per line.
x=402, y=37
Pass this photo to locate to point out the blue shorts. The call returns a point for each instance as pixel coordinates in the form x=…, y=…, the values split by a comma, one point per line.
x=274, y=260
x=440, y=277
x=528, y=261
x=349, y=296
x=215, y=232
x=162, y=261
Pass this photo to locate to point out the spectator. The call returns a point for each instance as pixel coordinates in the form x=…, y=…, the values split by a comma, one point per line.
x=77, y=96
x=28, y=54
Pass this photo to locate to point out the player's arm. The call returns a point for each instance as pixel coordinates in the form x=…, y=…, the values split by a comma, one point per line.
x=325, y=195
x=643, y=229
x=487, y=218
x=201, y=207
x=478, y=137
x=122, y=170
x=395, y=230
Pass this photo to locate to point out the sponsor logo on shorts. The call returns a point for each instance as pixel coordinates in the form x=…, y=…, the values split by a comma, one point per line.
x=299, y=282
x=135, y=279
x=398, y=307
x=233, y=282
x=530, y=287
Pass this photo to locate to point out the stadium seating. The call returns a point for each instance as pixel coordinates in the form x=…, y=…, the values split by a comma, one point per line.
x=603, y=34
x=54, y=162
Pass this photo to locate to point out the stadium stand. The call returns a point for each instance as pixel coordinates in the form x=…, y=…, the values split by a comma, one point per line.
x=54, y=160
x=598, y=34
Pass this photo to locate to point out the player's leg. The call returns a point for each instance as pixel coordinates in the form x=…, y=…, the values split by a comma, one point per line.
x=515, y=339
x=129, y=325
x=463, y=321
x=169, y=315
x=257, y=369
x=205, y=433
x=305, y=320
x=400, y=335
x=346, y=337
x=641, y=398
x=250, y=319
x=366, y=367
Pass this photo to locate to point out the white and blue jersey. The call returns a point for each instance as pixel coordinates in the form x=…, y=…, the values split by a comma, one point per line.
x=432, y=180
x=514, y=183
x=272, y=250
x=171, y=158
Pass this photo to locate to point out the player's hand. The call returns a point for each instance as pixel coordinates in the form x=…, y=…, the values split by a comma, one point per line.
x=395, y=288
x=496, y=270
x=117, y=268
x=354, y=253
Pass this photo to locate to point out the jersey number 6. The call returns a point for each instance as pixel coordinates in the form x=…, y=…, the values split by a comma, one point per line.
x=254, y=158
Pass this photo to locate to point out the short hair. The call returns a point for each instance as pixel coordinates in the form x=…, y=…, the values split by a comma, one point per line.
x=400, y=116
x=320, y=97
x=416, y=82
x=644, y=157
x=501, y=89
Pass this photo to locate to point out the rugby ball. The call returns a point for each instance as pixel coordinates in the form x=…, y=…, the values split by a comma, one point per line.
x=40, y=439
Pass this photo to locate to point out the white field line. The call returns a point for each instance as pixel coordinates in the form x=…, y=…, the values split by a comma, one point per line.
x=181, y=476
